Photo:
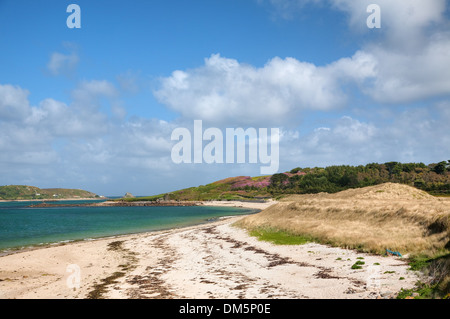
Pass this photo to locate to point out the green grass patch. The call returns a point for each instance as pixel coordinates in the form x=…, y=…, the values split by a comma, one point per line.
x=279, y=237
x=422, y=291
x=358, y=264
x=438, y=268
x=419, y=262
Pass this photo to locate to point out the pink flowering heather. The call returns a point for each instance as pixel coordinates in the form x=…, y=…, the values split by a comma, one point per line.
x=248, y=181
x=240, y=182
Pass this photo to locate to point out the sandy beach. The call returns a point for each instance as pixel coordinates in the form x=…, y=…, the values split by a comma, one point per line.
x=249, y=204
x=214, y=260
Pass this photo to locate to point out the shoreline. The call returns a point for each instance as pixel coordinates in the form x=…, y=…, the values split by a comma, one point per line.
x=49, y=200
x=212, y=260
x=11, y=251
x=232, y=203
x=17, y=250
x=111, y=203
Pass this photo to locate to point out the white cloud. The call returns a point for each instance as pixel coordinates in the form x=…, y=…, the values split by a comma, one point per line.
x=409, y=136
x=409, y=63
x=226, y=91
x=62, y=120
x=402, y=21
x=358, y=69
x=14, y=103
x=404, y=77
x=29, y=132
x=88, y=92
x=78, y=141
x=62, y=63
x=399, y=17
x=405, y=24
x=348, y=134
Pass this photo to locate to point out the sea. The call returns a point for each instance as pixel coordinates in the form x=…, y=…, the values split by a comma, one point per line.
x=23, y=227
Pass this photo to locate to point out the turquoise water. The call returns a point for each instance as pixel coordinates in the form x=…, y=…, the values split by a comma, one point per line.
x=22, y=227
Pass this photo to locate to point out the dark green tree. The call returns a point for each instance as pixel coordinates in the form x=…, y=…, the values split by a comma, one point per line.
x=394, y=168
x=277, y=180
x=295, y=170
x=440, y=167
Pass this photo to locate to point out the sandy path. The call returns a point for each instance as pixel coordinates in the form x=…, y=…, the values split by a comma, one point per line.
x=213, y=260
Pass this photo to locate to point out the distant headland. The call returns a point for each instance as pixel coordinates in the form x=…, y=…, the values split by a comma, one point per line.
x=24, y=192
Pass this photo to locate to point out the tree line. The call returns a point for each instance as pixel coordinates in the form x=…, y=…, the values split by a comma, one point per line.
x=433, y=178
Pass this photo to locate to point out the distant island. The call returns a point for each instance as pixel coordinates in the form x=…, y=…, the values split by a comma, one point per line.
x=24, y=192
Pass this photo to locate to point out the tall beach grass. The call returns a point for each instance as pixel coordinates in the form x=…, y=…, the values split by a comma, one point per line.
x=371, y=219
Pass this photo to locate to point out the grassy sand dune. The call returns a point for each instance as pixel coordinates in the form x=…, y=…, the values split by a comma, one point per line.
x=387, y=216
x=372, y=219
x=386, y=191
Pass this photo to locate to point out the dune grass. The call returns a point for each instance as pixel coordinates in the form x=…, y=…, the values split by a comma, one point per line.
x=364, y=220
x=371, y=219
x=279, y=237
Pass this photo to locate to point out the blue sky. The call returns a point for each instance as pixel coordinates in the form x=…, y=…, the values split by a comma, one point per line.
x=94, y=107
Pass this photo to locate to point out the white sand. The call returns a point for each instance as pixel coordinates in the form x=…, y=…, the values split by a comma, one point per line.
x=255, y=205
x=215, y=260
